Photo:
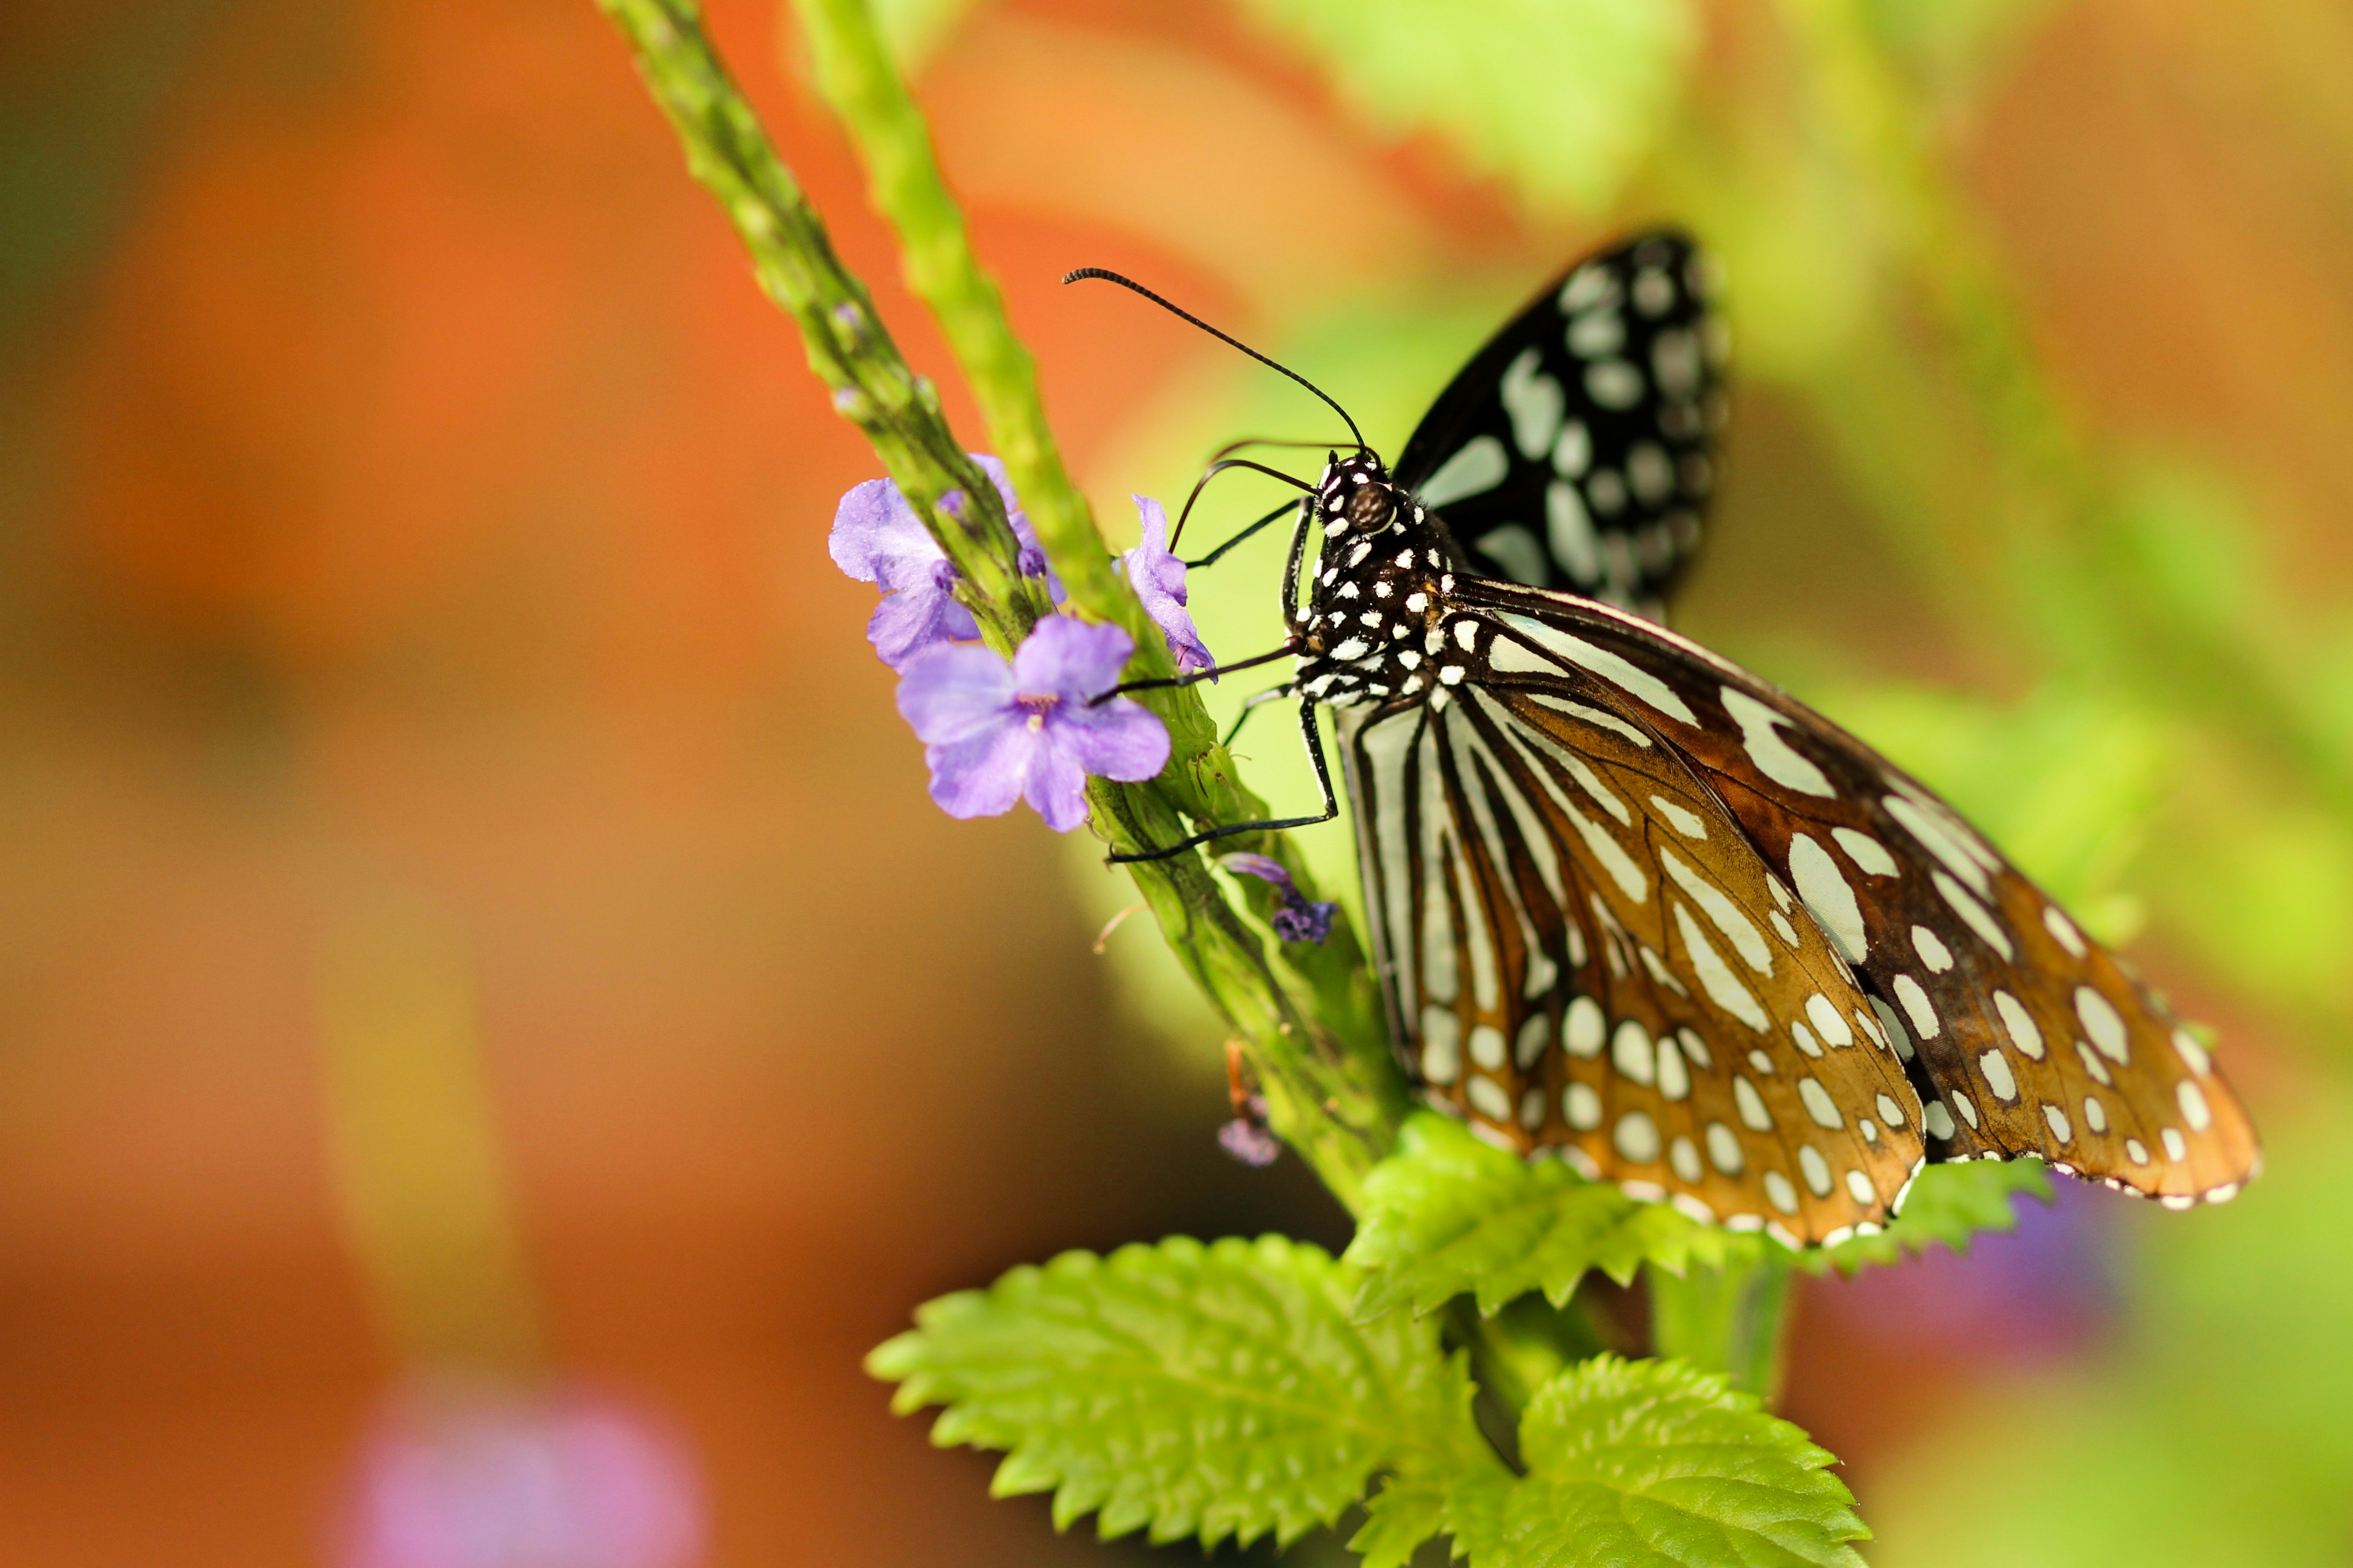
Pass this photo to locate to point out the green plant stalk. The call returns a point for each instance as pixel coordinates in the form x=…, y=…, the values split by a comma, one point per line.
x=1309, y=1022
x=1732, y=1319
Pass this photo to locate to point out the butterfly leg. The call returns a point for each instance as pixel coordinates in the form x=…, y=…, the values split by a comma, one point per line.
x=1251, y=705
x=1313, y=736
x=1199, y=675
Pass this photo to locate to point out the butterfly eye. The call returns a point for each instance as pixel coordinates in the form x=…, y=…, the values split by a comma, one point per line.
x=1371, y=509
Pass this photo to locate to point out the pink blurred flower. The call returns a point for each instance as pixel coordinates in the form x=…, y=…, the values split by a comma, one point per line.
x=474, y=1476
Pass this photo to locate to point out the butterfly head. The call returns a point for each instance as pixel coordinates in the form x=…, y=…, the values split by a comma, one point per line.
x=1381, y=578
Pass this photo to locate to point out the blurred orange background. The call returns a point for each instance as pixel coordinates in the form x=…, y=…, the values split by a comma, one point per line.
x=412, y=504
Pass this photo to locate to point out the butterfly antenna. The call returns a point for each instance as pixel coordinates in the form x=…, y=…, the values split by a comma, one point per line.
x=1130, y=283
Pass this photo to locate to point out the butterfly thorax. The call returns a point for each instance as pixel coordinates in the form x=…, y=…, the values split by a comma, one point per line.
x=1373, y=628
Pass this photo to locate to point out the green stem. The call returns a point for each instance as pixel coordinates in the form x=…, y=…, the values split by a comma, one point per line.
x=1308, y=1018
x=1730, y=1320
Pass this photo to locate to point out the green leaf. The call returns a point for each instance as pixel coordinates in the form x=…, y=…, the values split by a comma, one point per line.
x=1187, y=1390
x=1948, y=1204
x=1562, y=98
x=1408, y=1511
x=1446, y=1214
x=1653, y=1465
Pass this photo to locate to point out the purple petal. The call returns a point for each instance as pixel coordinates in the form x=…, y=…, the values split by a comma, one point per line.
x=1121, y=740
x=954, y=692
x=916, y=619
x=877, y=538
x=1249, y=1142
x=1259, y=866
x=1158, y=579
x=983, y=774
x=1057, y=785
x=1296, y=920
x=1063, y=658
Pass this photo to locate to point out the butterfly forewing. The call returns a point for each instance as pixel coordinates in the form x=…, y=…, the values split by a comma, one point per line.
x=1586, y=956
x=2026, y=1037
x=1576, y=449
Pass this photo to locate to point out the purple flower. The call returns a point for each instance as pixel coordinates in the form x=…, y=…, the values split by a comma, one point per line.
x=996, y=733
x=462, y=1476
x=1249, y=1141
x=877, y=538
x=1158, y=579
x=1295, y=918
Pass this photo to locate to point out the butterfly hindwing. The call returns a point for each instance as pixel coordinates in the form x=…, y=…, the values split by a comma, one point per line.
x=1576, y=449
x=2027, y=1037
x=1585, y=956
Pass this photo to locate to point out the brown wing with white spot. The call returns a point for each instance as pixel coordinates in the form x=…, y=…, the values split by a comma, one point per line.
x=1584, y=953
x=2030, y=1039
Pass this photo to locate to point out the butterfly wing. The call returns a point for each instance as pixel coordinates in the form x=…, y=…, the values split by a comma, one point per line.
x=1582, y=953
x=1576, y=449
x=2027, y=1037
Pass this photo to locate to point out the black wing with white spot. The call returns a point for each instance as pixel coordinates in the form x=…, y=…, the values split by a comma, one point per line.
x=2024, y=1035
x=1576, y=450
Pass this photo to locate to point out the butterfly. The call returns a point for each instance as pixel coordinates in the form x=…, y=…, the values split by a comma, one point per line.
x=1637, y=908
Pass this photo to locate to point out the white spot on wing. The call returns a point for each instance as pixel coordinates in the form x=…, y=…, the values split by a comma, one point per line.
x=1573, y=453
x=1636, y=1137
x=1675, y=1079
x=1715, y=976
x=1773, y=755
x=1932, y=950
x=1536, y=403
x=1865, y=851
x=1515, y=549
x=1630, y=1051
x=2020, y=1023
x=1998, y=1076
x=1628, y=677
x=1824, y=889
x=1586, y=1028
x=1934, y=838
x=1725, y=915
x=1826, y=1019
x=1683, y=1155
x=1976, y=915
x=1441, y=1057
x=1752, y=1105
x=1535, y=1033
x=1688, y=823
x=1569, y=527
x=1613, y=383
x=1916, y=1006
x=1477, y=468
x=2193, y=1055
x=2063, y=930
x=2100, y=1022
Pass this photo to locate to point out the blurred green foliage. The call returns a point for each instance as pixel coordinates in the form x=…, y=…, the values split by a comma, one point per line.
x=1561, y=98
